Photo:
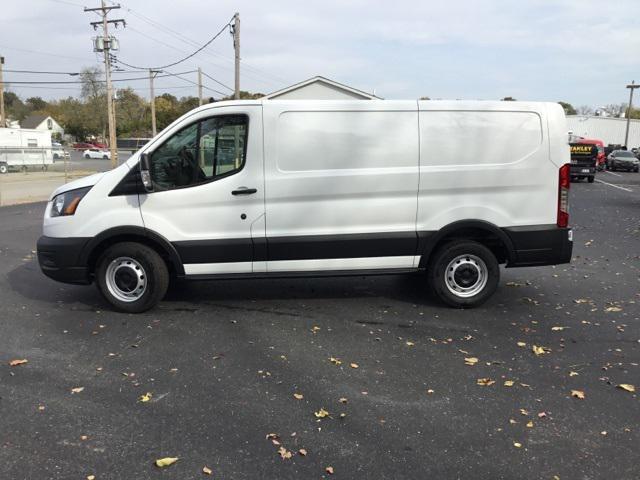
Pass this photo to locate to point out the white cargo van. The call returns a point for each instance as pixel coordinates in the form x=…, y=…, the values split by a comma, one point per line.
x=296, y=188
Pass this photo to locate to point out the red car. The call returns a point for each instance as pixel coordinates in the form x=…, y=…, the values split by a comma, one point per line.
x=82, y=146
x=100, y=145
x=600, y=144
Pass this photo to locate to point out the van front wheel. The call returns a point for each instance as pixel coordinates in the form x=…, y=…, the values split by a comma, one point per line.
x=132, y=277
x=463, y=273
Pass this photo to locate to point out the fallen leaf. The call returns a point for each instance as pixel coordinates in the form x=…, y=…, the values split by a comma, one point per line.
x=343, y=400
x=284, y=453
x=77, y=389
x=15, y=363
x=206, y=470
x=524, y=412
x=508, y=383
x=298, y=396
x=430, y=391
x=577, y=394
x=329, y=470
x=542, y=414
x=581, y=300
x=315, y=329
x=302, y=452
x=539, y=350
x=321, y=413
x=517, y=445
x=529, y=424
x=485, y=382
x=91, y=477
x=146, y=397
x=335, y=361
x=512, y=421
x=410, y=344
x=521, y=344
x=573, y=374
x=514, y=284
x=558, y=329
x=628, y=387
x=354, y=365
x=166, y=461
x=613, y=309
x=470, y=361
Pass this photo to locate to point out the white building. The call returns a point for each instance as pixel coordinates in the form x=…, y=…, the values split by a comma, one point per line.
x=608, y=129
x=320, y=88
x=43, y=123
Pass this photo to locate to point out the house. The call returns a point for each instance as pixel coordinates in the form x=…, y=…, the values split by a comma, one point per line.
x=43, y=122
x=320, y=88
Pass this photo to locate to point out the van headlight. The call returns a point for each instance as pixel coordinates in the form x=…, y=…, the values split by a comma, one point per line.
x=66, y=203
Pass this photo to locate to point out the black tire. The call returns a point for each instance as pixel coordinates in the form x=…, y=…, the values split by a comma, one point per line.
x=87, y=156
x=150, y=270
x=4, y=168
x=104, y=157
x=592, y=179
x=447, y=254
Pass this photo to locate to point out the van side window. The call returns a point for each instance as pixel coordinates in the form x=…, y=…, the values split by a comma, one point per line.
x=201, y=152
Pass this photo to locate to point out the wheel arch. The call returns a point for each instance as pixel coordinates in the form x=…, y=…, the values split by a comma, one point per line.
x=98, y=244
x=486, y=233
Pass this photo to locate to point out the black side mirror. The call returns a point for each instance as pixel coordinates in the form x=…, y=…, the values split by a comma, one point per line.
x=145, y=172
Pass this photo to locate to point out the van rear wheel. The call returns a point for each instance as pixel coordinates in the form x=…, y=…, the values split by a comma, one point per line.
x=463, y=273
x=132, y=277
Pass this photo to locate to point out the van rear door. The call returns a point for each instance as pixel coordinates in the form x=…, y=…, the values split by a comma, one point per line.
x=341, y=183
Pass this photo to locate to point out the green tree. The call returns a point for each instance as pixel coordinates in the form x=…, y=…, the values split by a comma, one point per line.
x=36, y=104
x=132, y=114
x=15, y=108
x=568, y=108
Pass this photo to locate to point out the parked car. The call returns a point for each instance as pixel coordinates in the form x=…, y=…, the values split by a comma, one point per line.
x=623, y=160
x=82, y=145
x=58, y=151
x=96, y=153
x=318, y=188
x=103, y=146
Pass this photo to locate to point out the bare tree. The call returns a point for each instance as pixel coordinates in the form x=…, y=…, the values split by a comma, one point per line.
x=616, y=109
x=585, y=110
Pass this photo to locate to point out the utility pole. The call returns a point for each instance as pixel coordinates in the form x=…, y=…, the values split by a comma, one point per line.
x=631, y=88
x=152, y=96
x=236, y=47
x=105, y=47
x=199, y=86
x=3, y=120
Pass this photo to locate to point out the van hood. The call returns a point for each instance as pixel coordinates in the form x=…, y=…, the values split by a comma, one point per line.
x=88, y=181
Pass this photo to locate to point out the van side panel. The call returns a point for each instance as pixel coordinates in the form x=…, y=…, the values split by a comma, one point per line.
x=487, y=162
x=337, y=172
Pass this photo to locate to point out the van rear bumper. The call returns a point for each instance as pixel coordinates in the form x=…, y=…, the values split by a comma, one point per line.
x=540, y=245
x=59, y=259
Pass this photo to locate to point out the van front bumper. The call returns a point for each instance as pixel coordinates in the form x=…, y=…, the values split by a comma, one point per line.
x=59, y=259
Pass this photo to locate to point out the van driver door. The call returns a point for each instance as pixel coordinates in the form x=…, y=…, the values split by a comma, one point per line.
x=208, y=190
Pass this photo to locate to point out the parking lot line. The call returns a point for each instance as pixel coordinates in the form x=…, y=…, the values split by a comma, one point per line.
x=616, y=174
x=615, y=186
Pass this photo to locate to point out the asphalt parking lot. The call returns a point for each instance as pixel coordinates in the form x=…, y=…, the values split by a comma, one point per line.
x=221, y=362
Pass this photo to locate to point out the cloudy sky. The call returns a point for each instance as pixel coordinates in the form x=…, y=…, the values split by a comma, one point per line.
x=580, y=51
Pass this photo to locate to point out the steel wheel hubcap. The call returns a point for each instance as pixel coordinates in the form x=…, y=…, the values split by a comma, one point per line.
x=126, y=279
x=466, y=276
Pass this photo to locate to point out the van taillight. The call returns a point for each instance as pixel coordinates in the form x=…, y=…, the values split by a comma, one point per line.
x=563, y=195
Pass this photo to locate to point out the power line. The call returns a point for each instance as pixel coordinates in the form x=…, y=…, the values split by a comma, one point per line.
x=194, y=83
x=75, y=82
x=211, y=78
x=168, y=30
x=188, y=56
